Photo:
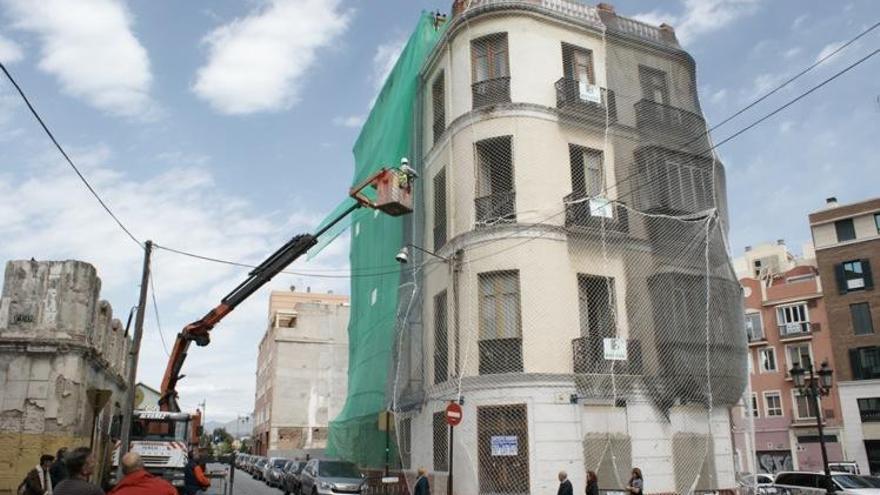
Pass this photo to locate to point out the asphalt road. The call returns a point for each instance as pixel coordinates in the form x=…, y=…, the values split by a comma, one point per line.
x=244, y=485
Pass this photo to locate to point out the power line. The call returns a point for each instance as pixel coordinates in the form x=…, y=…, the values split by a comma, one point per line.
x=67, y=158
x=156, y=312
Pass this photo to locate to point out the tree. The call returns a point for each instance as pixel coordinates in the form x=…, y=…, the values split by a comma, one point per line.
x=220, y=435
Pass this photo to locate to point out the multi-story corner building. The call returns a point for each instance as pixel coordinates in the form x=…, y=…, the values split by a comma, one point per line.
x=847, y=243
x=786, y=326
x=302, y=369
x=584, y=345
x=63, y=362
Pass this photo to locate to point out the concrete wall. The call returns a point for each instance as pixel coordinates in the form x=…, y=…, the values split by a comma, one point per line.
x=62, y=363
x=855, y=433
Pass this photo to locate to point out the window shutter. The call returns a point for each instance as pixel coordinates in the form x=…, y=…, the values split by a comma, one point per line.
x=866, y=273
x=578, y=180
x=855, y=364
x=840, y=275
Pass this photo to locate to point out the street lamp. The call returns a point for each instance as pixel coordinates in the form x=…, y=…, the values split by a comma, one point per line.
x=403, y=255
x=813, y=385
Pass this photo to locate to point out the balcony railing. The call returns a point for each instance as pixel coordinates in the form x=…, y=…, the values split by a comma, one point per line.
x=496, y=208
x=588, y=355
x=756, y=336
x=501, y=356
x=678, y=124
x=491, y=92
x=581, y=213
x=582, y=99
x=797, y=329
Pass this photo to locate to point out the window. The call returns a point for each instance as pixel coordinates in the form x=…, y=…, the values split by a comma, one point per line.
x=438, y=98
x=767, y=359
x=680, y=185
x=861, y=318
x=865, y=362
x=751, y=366
x=854, y=275
x=489, y=70
x=846, y=231
x=804, y=408
x=877, y=221
x=793, y=319
x=869, y=409
x=441, y=339
x=754, y=328
x=654, y=85
x=441, y=441
x=495, y=188
x=500, y=324
x=773, y=404
x=756, y=412
x=596, y=297
x=586, y=171
x=439, y=209
x=578, y=63
x=799, y=355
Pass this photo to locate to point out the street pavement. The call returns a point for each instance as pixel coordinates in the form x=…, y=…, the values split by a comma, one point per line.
x=244, y=484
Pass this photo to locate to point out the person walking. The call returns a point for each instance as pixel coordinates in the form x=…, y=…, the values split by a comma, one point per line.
x=137, y=481
x=80, y=464
x=592, y=483
x=57, y=471
x=422, y=486
x=636, y=483
x=565, y=487
x=38, y=481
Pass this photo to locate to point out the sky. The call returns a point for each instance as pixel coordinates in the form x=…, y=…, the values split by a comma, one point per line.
x=225, y=127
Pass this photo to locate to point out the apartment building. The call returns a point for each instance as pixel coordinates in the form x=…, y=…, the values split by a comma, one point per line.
x=786, y=325
x=847, y=243
x=577, y=216
x=302, y=369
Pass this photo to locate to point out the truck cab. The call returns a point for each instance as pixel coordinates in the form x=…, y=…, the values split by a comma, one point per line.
x=162, y=439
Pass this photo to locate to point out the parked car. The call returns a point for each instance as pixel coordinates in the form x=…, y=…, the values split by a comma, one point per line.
x=872, y=480
x=810, y=483
x=321, y=477
x=757, y=484
x=249, y=464
x=851, y=467
x=290, y=481
x=257, y=469
x=273, y=471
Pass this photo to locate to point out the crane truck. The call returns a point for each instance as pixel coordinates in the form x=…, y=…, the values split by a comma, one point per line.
x=163, y=437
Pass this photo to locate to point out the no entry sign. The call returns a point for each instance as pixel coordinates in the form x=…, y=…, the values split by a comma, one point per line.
x=453, y=414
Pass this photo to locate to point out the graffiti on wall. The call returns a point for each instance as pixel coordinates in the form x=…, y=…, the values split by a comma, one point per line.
x=773, y=461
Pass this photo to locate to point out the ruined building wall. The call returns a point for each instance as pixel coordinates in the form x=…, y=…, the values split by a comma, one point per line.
x=62, y=364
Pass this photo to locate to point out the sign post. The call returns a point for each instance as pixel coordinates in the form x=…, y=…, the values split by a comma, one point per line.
x=453, y=418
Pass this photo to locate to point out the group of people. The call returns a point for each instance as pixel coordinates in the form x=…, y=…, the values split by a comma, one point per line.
x=68, y=473
x=634, y=487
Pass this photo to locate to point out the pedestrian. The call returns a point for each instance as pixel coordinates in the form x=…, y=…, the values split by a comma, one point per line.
x=38, y=481
x=565, y=487
x=58, y=472
x=636, y=483
x=80, y=464
x=422, y=486
x=592, y=483
x=194, y=479
x=137, y=481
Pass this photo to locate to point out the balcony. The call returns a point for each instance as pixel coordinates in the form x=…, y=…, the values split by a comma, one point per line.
x=797, y=330
x=580, y=216
x=496, y=208
x=579, y=102
x=681, y=126
x=588, y=355
x=491, y=92
x=756, y=337
x=501, y=356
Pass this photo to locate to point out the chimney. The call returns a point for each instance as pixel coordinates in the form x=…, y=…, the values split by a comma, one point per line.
x=831, y=202
x=605, y=7
x=330, y=291
x=308, y=290
x=292, y=288
x=748, y=248
x=780, y=242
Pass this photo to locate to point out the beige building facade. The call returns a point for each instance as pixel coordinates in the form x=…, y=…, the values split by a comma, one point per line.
x=302, y=369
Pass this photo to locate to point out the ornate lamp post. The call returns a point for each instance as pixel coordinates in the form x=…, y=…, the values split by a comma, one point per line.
x=813, y=385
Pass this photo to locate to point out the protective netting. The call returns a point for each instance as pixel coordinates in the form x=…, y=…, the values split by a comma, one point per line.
x=581, y=306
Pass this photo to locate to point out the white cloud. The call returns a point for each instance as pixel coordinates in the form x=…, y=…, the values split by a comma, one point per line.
x=792, y=52
x=353, y=121
x=10, y=52
x=384, y=59
x=799, y=21
x=90, y=48
x=259, y=63
x=701, y=16
x=828, y=49
x=718, y=96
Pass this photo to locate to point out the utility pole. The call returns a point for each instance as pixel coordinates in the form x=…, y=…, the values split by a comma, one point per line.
x=128, y=406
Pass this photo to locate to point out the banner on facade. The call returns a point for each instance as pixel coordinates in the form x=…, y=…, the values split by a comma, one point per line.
x=505, y=446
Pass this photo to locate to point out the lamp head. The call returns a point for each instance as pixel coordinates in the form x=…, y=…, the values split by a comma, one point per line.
x=402, y=256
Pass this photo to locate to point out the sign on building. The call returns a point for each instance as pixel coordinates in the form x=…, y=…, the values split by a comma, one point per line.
x=615, y=349
x=505, y=445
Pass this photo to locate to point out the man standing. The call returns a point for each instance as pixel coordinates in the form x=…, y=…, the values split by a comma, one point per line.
x=57, y=471
x=565, y=487
x=80, y=465
x=137, y=481
x=38, y=481
x=194, y=479
x=422, y=486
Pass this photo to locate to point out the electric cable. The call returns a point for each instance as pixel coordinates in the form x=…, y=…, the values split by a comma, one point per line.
x=156, y=312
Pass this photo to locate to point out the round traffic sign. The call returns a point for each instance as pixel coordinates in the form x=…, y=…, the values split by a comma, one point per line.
x=453, y=414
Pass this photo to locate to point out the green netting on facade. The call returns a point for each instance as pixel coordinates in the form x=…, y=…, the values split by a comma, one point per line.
x=386, y=136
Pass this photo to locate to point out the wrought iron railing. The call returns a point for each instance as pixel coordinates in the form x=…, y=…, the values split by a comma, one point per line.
x=491, y=91
x=581, y=212
x=797, y=329
x=671, y=121
x=572, y=95
x=496, y=208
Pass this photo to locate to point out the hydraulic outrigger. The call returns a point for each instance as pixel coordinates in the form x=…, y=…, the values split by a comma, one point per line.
x=393, y=196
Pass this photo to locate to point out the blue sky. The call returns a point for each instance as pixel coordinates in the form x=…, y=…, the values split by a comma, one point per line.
x=225, y=127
